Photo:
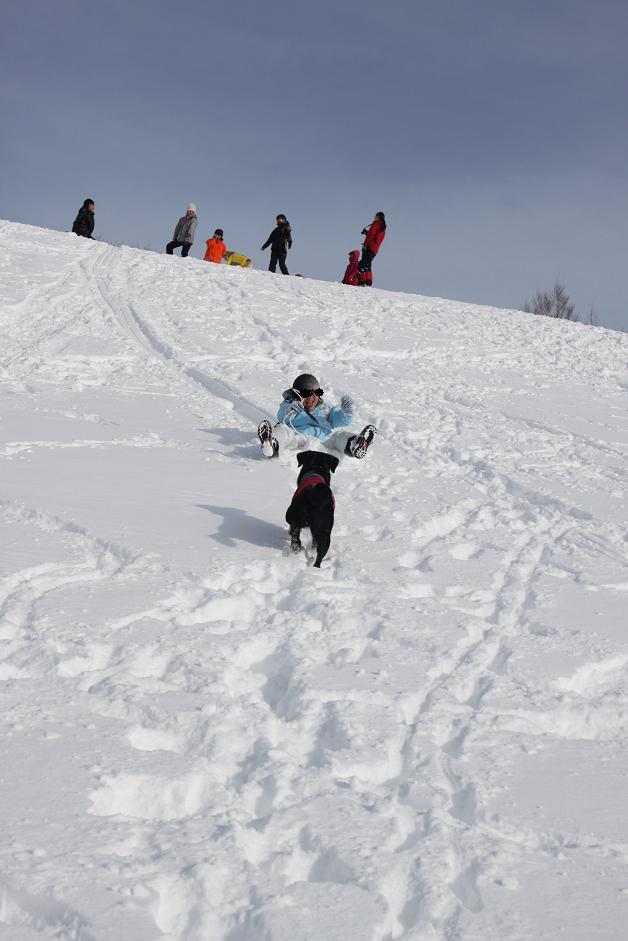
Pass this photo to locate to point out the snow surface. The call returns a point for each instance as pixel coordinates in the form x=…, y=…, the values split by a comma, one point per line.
x=205, y=739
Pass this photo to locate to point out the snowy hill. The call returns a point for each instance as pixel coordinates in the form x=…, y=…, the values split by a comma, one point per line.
x=207, y=740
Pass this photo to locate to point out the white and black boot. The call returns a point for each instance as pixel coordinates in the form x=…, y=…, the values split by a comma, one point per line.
x=359, y=444
x=270, y=447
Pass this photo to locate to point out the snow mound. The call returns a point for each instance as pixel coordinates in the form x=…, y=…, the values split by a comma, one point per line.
x=205, y=738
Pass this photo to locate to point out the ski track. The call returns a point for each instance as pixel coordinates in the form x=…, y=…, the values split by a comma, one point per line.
x=138, y=328
x=286, y=742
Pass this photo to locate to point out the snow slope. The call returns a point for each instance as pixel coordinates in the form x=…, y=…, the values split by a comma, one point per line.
x=207, y=740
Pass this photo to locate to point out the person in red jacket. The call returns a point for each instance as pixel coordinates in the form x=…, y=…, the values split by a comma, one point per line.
x=351, y=274
x=375, y=234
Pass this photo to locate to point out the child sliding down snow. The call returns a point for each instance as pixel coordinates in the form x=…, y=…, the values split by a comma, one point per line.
x=304, y=415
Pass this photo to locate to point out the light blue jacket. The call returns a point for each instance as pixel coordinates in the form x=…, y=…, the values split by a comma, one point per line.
x=321, y=422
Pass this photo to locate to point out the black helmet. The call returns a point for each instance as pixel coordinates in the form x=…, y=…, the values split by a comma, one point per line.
x=306, y=382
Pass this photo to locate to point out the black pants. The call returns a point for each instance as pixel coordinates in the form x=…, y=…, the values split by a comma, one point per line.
x=276, y=255
x=365, y=277
x=184, y=246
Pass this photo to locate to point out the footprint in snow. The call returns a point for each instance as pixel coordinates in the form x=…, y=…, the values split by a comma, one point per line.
x=463, y=551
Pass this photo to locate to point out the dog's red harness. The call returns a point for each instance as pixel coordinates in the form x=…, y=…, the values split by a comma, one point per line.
x=311, y=480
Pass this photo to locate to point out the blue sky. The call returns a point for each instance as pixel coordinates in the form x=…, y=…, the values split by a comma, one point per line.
x=494, y=135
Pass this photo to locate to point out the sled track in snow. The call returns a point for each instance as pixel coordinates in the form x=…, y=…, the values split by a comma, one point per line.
x=144, y=335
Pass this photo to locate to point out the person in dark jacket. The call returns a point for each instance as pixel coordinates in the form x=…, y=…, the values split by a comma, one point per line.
x=280, y=240
x=84, y=222
x=185, y=228
x=375, y=233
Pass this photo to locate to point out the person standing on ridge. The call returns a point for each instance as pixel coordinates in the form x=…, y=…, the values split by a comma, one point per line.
x=185, y=228
x=280, y=240
x=375, y=234
x=84, y=222
x=216, y=248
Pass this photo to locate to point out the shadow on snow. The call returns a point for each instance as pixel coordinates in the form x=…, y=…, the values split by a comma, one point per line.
x=238, y=525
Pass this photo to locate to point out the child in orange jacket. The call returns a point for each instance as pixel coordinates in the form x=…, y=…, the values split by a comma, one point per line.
x=216, y=248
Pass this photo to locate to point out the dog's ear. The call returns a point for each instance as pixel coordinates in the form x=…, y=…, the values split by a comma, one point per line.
x=305, y=458
x=329, y=461
x=318, y=459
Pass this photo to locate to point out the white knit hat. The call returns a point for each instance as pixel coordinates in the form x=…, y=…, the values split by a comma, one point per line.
x=191, y=207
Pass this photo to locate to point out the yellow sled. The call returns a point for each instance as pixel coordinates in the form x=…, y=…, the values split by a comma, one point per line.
x=235, y=258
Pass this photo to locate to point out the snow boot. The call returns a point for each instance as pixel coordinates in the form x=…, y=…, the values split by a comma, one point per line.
x=359, y=444
x=270, y=447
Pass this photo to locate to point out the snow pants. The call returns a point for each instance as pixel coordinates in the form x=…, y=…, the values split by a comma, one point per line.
x=290, y=440
x=365, y=277
x=278, y=256
x=184, y=246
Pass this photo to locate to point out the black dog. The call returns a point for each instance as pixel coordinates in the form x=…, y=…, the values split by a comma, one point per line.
x=313, y=502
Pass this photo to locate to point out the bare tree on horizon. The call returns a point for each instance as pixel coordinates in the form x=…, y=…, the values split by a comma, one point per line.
x=555, y=303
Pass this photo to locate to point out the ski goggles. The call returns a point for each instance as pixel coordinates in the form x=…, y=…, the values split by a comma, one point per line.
x=306, y=393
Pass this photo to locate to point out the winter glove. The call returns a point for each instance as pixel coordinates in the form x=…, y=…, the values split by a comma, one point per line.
x=290, y=396
x=294, y=410
x=346, y=404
